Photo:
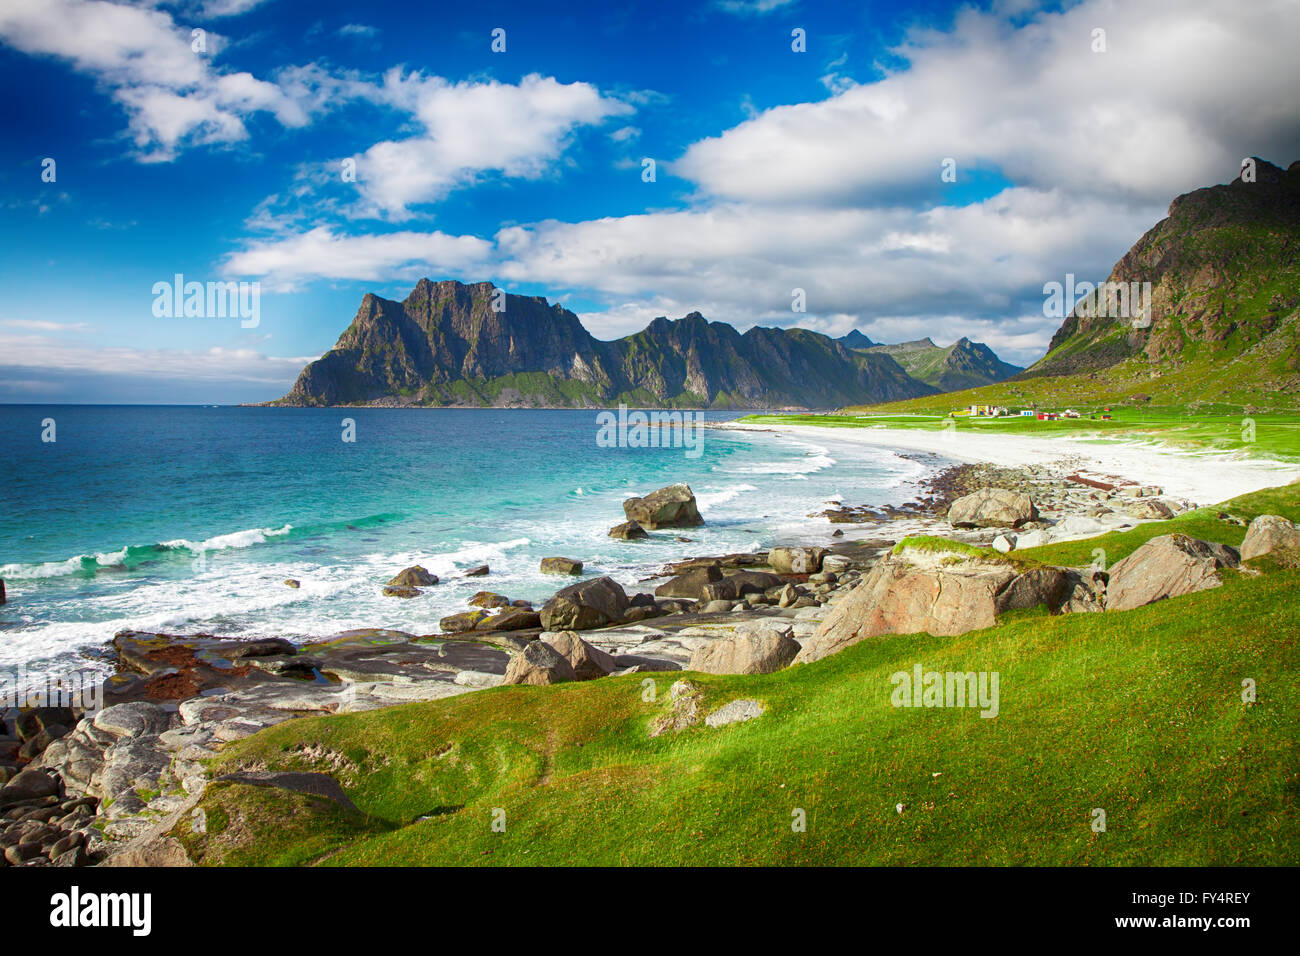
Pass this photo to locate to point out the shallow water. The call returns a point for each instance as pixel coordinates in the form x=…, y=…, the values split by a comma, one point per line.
x=189, y=519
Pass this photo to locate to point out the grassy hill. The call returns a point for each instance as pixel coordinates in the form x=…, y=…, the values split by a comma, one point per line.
x=1137, y=712
x=964, y=364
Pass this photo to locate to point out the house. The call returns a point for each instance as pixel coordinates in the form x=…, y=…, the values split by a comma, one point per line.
x=1026, y=413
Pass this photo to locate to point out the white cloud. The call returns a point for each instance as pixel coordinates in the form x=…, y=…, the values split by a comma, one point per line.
x=172, y=95
x=323, y=254
x=752, y=8
x=470, y=128
x=1184, y=91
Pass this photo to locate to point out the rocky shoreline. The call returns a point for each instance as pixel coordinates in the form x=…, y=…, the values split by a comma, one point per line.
x=106, y=787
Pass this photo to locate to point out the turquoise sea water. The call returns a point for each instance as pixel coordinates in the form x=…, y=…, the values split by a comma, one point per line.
x=189, y=519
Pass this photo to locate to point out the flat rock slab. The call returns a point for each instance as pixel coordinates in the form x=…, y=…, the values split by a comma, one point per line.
x=734, y=713
x=313, y=784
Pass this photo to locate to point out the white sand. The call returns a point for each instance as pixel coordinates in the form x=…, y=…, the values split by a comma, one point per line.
x=1203, y=477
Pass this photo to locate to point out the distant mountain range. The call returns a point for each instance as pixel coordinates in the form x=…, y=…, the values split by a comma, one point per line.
x=450, y=343
x=964, y=364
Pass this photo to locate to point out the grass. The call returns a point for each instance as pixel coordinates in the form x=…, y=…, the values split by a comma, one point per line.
x=1139, y=713
x=1272, y=434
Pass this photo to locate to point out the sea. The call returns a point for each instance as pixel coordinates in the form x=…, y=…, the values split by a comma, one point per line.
x=189, y=519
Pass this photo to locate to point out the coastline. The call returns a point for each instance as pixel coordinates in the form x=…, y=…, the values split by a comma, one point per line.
x=1205, y=477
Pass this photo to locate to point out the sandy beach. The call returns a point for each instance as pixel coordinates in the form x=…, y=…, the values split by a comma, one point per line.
x=1203, y=477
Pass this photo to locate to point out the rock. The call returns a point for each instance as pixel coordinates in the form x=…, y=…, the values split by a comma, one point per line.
x=1032, y=539
x=539, y=664
x=1168, y=566
x=1036, y=586
x=734, y=712
x=684, y=700
x=902, y=597
x=292, y=583
x=266, y=647
x=413, y=577
x=755, y=648
x=136, y=719
x=489, y=599
x=401, y=592
x=1147, y=508
x=30, y=784
x=627, y=531
x=634, y=614
x=587, y=662
x=753, y=582
x=796, y=560
x=671, y=507
x=461, y=622
x=992, y=508
x=1269, y=533
x=1004, y=544
x=158, y=851
x=561, y=566
x=690, y=584
x=2, y=591
x=716, y=607
x=510, y=619
x=477, y=572
x=585, y=605
x=724, y=590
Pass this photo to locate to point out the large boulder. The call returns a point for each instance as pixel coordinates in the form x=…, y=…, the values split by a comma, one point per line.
x=753, y=582
x=1168, y=566
x=691, y=583
x=413, y=577
x=756, y=648
x=461, y=622
x=909, y=594
x=510, y=619
x=561, y=566
x=992, y=508
x=587, y=662
x=671, y=507
x=1269, y=533
x=585, y=605
x=1050, y=586
x=538, y=664
x=796, y=560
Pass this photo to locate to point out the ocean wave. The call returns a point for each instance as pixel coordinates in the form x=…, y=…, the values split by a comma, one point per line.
x=134, y=554
x=711, y=499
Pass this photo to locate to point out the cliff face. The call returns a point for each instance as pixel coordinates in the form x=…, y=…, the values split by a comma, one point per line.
x=446, y=345
x=1224, y=269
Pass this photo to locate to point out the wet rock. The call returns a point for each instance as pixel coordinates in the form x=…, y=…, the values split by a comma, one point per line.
x=510, y=619
x=671, y=507
x=477, y=572
x=627, y=531
x=413, y=577
x=561, y=566
x=690, y=583
x=391, y=590
x=796, y=560
x=462, y=621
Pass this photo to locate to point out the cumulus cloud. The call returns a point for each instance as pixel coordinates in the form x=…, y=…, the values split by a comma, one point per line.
x=1184, y=90
x=173, y=96
x=470, y=128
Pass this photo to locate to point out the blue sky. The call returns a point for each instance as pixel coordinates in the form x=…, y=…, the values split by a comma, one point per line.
x=775, y=169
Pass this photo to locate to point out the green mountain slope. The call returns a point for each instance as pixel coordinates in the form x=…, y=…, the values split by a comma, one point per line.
x=964, y=364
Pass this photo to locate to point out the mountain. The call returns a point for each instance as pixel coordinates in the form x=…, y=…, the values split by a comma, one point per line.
x=1224, y=309
x=1221, y=325
x=446, y=344
x=964, y=364
x=855, y=340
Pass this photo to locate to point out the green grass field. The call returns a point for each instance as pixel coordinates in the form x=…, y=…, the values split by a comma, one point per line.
x=1138, y=713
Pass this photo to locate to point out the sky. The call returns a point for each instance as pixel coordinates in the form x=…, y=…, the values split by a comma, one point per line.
x=325, y=150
